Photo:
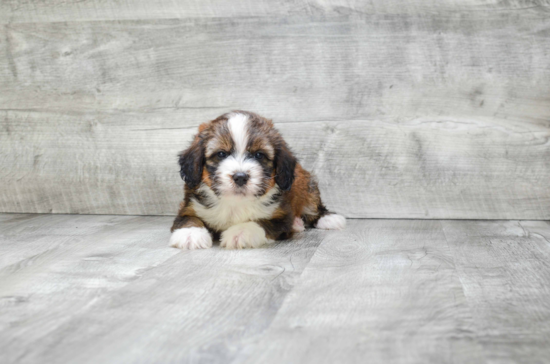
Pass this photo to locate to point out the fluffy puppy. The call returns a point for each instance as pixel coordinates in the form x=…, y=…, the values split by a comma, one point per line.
x=244, y=186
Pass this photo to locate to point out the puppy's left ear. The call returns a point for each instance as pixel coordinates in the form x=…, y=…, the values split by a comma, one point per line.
x=191, y=162
x=285, y=163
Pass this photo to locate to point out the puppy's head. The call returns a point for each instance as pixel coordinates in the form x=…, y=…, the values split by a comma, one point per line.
x=239, y=153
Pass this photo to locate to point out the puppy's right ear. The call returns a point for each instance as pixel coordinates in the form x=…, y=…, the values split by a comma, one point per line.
x=191, y=162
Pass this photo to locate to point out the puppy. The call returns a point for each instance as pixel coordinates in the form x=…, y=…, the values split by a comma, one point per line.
x=244, y=187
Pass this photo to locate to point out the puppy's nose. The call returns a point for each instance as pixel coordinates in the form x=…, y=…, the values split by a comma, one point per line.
x=240, y=178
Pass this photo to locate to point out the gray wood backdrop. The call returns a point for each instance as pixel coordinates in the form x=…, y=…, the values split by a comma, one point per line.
x=417, y=109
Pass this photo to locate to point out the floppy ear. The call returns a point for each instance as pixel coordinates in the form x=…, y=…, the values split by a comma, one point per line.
x=191, y=162
x=285, y=163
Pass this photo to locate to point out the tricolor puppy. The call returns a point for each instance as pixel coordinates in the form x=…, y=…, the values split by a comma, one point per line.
x=244, y=186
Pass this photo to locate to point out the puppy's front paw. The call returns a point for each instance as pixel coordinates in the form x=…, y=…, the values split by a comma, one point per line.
x=331, y=222
x=191, y=238
x=241, y=236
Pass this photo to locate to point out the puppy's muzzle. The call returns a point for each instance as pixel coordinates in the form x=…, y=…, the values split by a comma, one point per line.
x=240, y=178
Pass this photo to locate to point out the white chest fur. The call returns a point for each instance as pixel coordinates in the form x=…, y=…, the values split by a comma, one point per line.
x=225, y=212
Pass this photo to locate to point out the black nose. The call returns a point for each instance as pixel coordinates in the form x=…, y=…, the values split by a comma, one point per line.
x=240, y=178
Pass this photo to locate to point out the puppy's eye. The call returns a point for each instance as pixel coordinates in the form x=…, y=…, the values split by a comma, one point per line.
x=221, y=154
x=259, y=155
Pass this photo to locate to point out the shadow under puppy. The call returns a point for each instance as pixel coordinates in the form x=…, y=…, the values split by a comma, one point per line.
x=244, y=186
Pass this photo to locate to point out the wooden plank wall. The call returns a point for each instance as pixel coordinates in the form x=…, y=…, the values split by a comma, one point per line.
x=418, y=109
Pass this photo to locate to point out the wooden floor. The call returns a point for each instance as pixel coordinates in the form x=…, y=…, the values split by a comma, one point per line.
x=108, y=289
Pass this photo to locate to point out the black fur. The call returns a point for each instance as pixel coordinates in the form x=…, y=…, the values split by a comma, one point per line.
x=186, y=221
x=285, y=163
x=278, y=229
x=311, y=220
x=191, y=162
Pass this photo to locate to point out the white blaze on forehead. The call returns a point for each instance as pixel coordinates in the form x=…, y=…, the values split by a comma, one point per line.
x=238, y=127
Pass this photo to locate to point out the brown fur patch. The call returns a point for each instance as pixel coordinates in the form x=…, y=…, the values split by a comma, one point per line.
x=299, y=196
x=261, y=144
x=279, y=213
x=186, y=217
x=206, y=178
x=218, y=137
x=203, y=126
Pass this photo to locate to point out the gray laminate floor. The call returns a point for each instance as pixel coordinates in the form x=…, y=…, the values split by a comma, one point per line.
x=107, y=289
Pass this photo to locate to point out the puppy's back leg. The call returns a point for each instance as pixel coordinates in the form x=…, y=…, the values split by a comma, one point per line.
x=331, y=221
x=317, y=215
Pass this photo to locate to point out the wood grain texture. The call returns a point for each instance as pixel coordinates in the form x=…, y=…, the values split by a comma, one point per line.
x=21, y=11
x=416, y=115
x=375, y=168
x=384, y=290
x=25, y=237
x=90, y=289
x=115, y=292
x=505, y=272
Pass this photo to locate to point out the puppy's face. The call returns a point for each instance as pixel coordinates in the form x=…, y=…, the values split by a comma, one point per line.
x=238, y=154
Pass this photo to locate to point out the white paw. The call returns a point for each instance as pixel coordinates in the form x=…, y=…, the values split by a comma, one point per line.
x=298, y=225
x=191, y=238
x=331, y=222
x=241, y=236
